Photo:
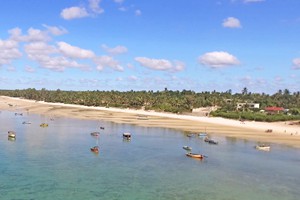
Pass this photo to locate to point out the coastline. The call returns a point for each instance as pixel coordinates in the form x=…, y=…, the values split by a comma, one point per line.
x=282, y=132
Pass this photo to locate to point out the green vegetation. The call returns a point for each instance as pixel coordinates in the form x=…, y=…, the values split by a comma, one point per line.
x=176, y=101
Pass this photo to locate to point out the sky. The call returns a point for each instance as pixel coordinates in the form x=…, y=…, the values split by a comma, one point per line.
x=199, y=45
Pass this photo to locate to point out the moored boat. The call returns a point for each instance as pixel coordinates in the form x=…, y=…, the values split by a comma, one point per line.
x=210, y=141
x=187, y=148
x=202, y=134
x=95, y=149
x=95, y=134
x=11, y=134
x=263, y=147
x=127, y=136
x=195, y=155
x=43, y=125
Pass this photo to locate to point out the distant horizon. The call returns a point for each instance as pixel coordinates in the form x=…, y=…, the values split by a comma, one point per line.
x=125, y=45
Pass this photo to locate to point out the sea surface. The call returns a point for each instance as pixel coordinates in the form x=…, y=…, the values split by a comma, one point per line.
x=56, y=163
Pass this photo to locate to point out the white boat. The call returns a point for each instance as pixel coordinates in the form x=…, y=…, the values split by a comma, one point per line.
x=127, y=136
x=202, y=134
x=11, y=134
x=263, y=147
x=187, y=148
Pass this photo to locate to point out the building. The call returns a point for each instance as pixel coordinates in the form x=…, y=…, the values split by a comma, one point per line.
x=240, y=106
x=274, y=109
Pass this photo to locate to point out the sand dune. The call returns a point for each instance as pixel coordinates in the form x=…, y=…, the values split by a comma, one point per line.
x=282, y=132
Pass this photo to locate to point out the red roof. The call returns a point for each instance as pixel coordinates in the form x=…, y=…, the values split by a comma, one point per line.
x=273, y=108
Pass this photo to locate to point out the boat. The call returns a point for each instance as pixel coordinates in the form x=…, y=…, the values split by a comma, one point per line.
x=26, y=122
x=202, y=134
x=11, y=134
x=187, y=148
x=43, y=125
x=263, y=147
x=210, y=141
x=95, y=149
x=127, y=136
x=95, y=134
x=101, y=127
x=195, y=155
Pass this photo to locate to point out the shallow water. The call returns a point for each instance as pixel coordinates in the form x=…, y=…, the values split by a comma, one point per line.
x=56, y=163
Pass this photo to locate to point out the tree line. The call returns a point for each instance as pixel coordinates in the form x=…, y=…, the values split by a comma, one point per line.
x=173, y=101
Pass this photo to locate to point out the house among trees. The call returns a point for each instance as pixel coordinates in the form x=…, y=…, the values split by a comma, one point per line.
x=241, y=106
x=274, y=110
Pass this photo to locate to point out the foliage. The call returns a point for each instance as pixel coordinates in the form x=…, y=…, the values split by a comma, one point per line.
x=174, y=101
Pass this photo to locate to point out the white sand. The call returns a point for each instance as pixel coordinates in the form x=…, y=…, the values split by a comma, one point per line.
x=282, y=132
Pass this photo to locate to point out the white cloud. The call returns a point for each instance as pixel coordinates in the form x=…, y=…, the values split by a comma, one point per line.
x=29, y=69
x=132, y=78
x=35, y=35
x=73, y=13
x=9, y=51
x=296, y=63
x=138, y=12
x=54, y=30
x=252, y=1
x=116, y=50
x=231, y=22
x=74, y=52
x=45, y=56
x=160, y=64
x=218, y=59
x=95, y=7
x=107, y=61
x=119, y=1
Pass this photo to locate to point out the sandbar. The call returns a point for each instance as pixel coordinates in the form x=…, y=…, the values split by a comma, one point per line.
x=282, y=132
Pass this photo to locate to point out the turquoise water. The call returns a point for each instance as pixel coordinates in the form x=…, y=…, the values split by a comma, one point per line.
x=56, y=163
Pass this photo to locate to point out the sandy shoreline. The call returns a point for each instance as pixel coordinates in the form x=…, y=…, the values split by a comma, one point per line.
x=282, y=133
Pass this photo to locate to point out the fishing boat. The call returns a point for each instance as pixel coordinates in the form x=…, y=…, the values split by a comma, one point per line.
x=127, y=136
x=195, y=155
x=210, y=141
x=11, y=134
x=187, y=148
x=263, y=147
x=95, y=149
x=43, y=125
x=95, y=134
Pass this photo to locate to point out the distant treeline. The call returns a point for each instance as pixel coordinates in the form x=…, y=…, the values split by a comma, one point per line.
x=174, y=101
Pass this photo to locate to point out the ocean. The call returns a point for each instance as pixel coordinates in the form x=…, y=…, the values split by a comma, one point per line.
x=55, y=162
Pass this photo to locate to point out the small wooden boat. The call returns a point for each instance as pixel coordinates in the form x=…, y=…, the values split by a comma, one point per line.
x=95, y=149
x=43, y=125
x=263, y=147
x=187, y=148
x=11, y=134
x=127, y=136
x=95, y=134
x=210, y=141
x=195, y=155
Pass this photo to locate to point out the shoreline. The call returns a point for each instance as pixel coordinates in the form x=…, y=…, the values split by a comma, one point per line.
x=282, y=132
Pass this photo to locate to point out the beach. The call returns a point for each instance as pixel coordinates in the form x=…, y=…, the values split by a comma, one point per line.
x=282, y=132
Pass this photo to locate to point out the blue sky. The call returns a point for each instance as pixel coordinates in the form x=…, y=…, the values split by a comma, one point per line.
x=200, y=45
